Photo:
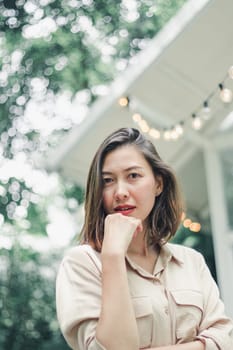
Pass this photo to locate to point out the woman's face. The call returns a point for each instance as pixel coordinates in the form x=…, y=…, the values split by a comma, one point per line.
x=130, y=186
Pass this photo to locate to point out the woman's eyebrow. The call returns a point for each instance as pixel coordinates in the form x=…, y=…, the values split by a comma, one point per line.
x=134, y=167
x=106, y=173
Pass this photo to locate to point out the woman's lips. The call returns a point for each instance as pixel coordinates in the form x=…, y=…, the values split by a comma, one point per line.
x=124, y=209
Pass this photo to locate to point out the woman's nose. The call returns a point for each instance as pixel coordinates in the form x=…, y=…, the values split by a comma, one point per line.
x=121, y=191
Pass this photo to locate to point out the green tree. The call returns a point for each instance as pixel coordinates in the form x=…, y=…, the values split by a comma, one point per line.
x=28, y=300
x=201, y=241
x=56, y=45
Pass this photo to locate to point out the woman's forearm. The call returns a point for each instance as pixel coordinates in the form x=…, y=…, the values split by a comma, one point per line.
x=196, y=345
x=117, y=327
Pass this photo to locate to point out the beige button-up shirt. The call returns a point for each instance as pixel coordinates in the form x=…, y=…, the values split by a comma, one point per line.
x=178, y=303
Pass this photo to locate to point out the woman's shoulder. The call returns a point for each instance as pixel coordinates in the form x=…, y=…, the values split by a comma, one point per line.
x=182, y=252
x=79, y=250
x=83, y=254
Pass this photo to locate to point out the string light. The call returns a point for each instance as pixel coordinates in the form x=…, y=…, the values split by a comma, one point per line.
x=189, y=224
x=196, y=122
x=123, y=101
x=225, y=94
x=174, y=134
x=166, y=135
x=206, y=111
x=201, y=115
x=179, y=129
x=144, y=125
x=137, y=117
x=154, y=133
x=195, y=227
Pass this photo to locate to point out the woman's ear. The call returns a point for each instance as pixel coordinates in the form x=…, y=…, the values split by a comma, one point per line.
x=158, y=185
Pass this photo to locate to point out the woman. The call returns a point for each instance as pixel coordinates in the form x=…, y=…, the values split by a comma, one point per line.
x=124, y=287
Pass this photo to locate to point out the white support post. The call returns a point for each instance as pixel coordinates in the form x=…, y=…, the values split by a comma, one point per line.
x=218, y=212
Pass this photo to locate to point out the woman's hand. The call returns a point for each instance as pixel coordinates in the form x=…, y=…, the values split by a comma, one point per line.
x=119, y=230
x=116, y=299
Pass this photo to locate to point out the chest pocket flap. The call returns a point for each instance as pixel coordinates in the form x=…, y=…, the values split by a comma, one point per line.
x=188, y=297
x=188, y=310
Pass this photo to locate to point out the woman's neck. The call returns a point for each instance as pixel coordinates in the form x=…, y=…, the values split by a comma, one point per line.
x=139, y=245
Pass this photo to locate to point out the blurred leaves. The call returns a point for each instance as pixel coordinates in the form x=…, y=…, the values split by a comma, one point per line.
x=73, y=45
x=27, y=303
x=201, y=241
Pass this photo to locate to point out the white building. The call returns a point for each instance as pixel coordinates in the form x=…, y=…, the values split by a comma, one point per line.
x=168, y=82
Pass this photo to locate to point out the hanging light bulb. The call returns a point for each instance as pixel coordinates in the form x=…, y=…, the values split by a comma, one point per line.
x=195, y=227
x=167, y=135
x=137, y=117
x=225, y=94
x=144, y=126
x=179, y=129
x=230, y=72
x=187, y=222
x=206, y=111
x=123, y=101
x=154, y=133
x=196, y=122
x=174, y=134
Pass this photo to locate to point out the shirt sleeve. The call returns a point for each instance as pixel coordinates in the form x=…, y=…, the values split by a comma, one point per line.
x=216, y=329
x=78, y=299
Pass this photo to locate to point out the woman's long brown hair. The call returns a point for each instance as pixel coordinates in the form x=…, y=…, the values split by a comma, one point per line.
x=165, y=216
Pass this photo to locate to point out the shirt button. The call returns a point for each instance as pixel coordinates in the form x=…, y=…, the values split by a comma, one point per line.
x=166, y=310
x=156, y=281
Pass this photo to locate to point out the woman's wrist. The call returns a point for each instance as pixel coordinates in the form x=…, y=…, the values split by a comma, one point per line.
x=113, y=257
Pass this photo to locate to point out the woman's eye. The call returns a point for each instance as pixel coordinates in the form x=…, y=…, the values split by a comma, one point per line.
x=134, y=175
x=107, y=180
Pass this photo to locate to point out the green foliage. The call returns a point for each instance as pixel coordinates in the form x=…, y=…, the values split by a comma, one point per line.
x=79, y=49
x=201, y=241
x=26, y=210
x=18, y=201
x=27, y=306
x=73, y=191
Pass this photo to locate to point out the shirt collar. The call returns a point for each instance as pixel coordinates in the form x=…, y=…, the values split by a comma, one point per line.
x=170, y=252
x=167, y=254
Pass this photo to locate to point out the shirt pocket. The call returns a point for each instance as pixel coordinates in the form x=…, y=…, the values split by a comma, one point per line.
x=188, y=308
x=144, y=317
